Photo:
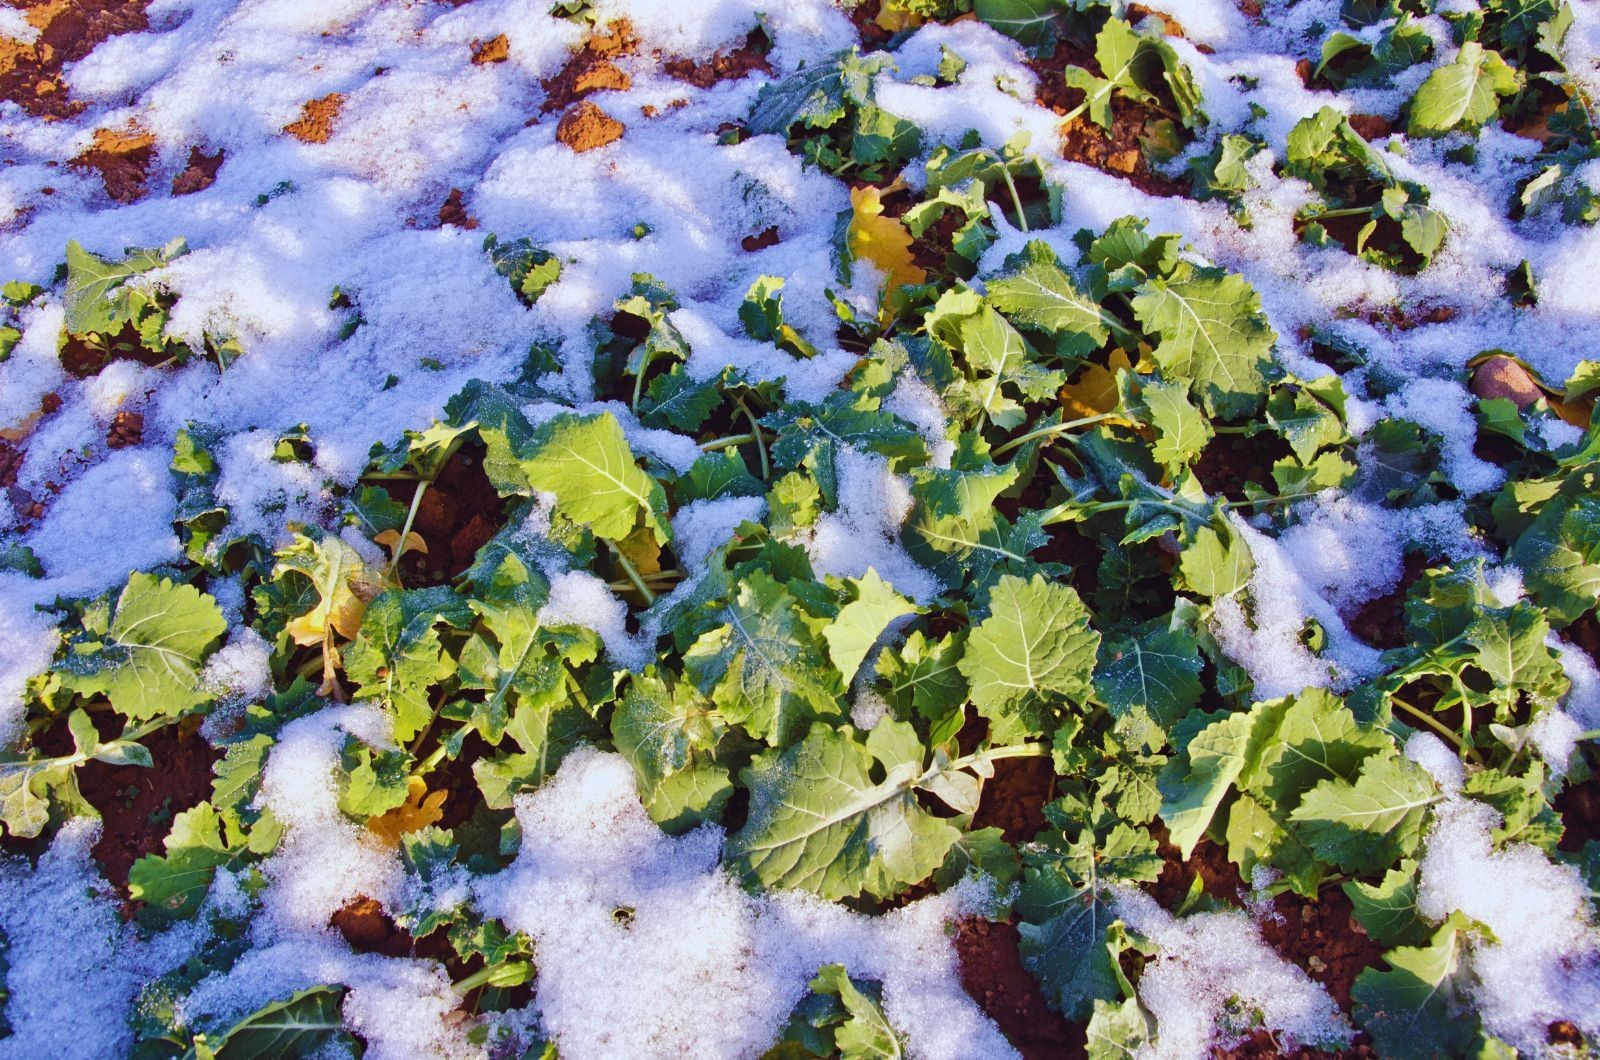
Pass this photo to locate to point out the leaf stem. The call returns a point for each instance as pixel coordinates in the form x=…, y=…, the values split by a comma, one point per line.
x=1016, y=200
x=638, y=380
x=995, y=754
x=405, y=530
x=1349, y=211
x=429, y=762
x=633, y=575
x=723, y=443
x=510, y=972
x=422, y=733
x=1461, y=748
x=761, y=444
x=1054, y=428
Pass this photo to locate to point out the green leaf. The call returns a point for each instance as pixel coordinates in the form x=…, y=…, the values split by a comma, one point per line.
x=859, y=623
x=1065, y=913
x=398, y=657
x=1181, y=431
x=1365, y=827
x=517, y=660
x=201, y=841
x=544, y=732
x=761, y=663
x=1559, y=556
x=374, y=781
x=1034, y=651
x=865, y=1034
x=812, y=434
x=1511, y=649
x=819, y=822
x=1388, y=910
x=1419, y=1009
x=96, y=298
x=585, y=461
x=149, y=662
x=1217, y=564
x=1156, y=673
x=687, y=798
x=1118, y=1030
x=1040, y=295
x=658, y=727
x=1464, y=94
x=1212, y=332
x=922, y=675
x=1030, y=23
x=300, y=1025
x=1194, y=783
x=31, y=787
x=1116, y=47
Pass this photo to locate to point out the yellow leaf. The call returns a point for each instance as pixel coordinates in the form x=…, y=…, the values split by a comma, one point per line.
x=1576, y=413
x=641, y=549
x=21, y=431
x=344, y=584
x=884, y=241
x=414, y=543
x=342, y=615
x=893, y=20
x=1095, y=389
x=418, y=811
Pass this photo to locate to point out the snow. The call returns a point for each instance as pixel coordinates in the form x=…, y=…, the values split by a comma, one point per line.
x=699, y=528
x=578, y=598
x=1212, y=972
x=1541, y=961
x=648, y=948
x=67, y=948
x=862, y=534
x=325, y=860
x=1264, y=635
x=1554, y=734
x=1440, y=760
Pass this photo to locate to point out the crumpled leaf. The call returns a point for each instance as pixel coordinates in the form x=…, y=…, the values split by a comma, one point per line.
x=421, y=809
x=857, y=626
x=881, y=240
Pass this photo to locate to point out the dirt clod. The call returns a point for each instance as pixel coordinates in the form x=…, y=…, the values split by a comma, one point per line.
x=317, y=118
x=575, y=80
x=10, y=463
x=138, y=804
x=1013, y=799
x=493, y=50
x=199, y=174
x=603, y=76
x=456, y=516
x=454, y=212
x=1503, y=377
x=751, y=55
x=122, y=157
x=127, y=430
x=368, y=928
x=767, y=237
x=1371, y=126
x=586, y=127
x=30, y=74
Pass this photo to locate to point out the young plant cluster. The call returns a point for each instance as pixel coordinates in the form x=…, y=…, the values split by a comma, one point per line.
x=1073, y=539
